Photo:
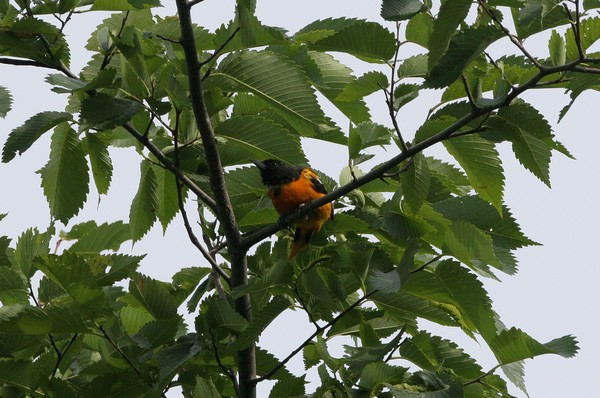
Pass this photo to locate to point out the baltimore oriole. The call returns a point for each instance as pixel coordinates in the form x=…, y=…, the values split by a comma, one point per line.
x=291, y=187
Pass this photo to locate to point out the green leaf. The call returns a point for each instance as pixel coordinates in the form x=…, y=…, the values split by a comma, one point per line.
x=74, y=275
x=17, y=372
x=369, y=41
x=205, y=389
x=101, y=237
x=404, y=93
x=172, y=358
x=261, y=320
x=434, y=353
x=502, y=227
x=513, y=345
x=331, y=77
x=167, y=198
x=30, y=244
x=5, y=102
x=470, y=245
x=287, y=90
x=415, y=66
x=105, y=112
x=425, y=384
x=451, y=14
x=288, y=386
x=364, y=85
x=415, y=183
x=590, y=33
x=65, y=178
x=21, y=138
x=220, y=315
x=419, y=28
x=537, y=16
x=399, y=10
x=454, y=288
x=366, y=135
x=29, y=320
x=464, y=47
x=253, y=137
x=12, y=287
x=154, y=296
x=377, y=373
x=142, y=213
x=121, y=267
x=481, y=162
x=557, y=49
x=100, y=161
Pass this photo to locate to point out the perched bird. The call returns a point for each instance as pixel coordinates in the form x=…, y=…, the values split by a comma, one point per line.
x=291, y=187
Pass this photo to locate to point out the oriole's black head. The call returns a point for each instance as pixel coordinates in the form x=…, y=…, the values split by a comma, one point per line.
x=275, y=172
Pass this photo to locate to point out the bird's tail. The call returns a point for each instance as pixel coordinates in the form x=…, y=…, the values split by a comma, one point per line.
x=301, y=239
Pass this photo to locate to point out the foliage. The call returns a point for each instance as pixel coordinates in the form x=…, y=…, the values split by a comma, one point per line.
x=413, y=236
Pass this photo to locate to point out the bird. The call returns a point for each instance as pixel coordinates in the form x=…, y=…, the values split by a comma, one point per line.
x=291, y=187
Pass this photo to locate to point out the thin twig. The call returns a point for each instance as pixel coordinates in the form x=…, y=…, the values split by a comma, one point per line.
x=428, y=263
x=120, y=351
x=225, y=370
x=221, y=47
x=306, y=342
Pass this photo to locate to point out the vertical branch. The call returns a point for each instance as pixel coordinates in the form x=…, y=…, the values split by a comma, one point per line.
x=224, y=210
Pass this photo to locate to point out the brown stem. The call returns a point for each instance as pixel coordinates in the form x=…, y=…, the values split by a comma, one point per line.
x=224, y=210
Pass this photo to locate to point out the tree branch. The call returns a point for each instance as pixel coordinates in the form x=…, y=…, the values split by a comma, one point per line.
x=224, y=209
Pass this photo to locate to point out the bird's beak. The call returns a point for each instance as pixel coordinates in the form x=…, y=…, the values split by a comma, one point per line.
x=261, y=166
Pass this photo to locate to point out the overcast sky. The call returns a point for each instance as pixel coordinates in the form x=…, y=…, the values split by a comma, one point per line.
x=555, y=292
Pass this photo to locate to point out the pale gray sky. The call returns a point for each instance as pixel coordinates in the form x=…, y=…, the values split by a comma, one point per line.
x=553, y=294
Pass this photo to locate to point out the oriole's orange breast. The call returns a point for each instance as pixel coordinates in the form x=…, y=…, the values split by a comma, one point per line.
x=288, y=197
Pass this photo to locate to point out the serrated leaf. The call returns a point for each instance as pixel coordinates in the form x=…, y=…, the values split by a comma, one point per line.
x=330, y=77
x=5, y=102
x=502, y=227
x=21, y=138
x=481, y=162
x=142, y=213
x=434, y=353
x=221, y=315
x=261, y=320
x=418, y=29
x=287, y=90
x=537, y=16
x=167, y=198
x=415, y=183
x=460, y=292
x=121, y=266
x=399, y=10
x=513, y=345
x=589, y=34
x=288, y=387
x=369, y=41
x=254, y=137
x=30, y=244
x=463, y=48
x=470, y=245
x=29, y=320
x=172, y=358
x=425, y=384
x=100, y=161
x=105, y=112
x=65, y=178
x=205, y=389
x=154, y=296
x=107, y=236
x=415, y=66
x=451, y=14
x=363, y=86
x=557, y=49
x=366, y=135
x=376, y=373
